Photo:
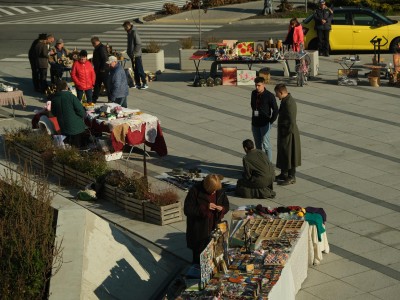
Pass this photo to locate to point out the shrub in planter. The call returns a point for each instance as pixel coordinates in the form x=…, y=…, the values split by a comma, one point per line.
x=37, y=141
x=152, y=47
x=162, y=197
x=91, y=163
x=28, y=253
x=171, y=9
x=187, y=43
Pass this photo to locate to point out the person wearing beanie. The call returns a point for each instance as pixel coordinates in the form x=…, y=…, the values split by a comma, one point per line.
x=56, y=61
x=117, y=84
x=83, y=76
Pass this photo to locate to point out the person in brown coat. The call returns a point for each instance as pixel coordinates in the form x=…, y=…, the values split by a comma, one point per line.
x=289, y=149
x=205, y=206
x=42, y=53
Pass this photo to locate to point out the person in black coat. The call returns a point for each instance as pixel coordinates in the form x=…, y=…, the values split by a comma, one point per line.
x=32, y=60
x=323, y=17
x=99, y=60
x=205, y=206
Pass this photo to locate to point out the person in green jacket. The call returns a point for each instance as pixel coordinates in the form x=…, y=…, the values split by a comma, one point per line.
x=70, y=113
x=258, y=174
x=289, y=149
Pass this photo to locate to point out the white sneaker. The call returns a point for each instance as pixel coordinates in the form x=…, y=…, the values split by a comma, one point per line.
x=144, y=87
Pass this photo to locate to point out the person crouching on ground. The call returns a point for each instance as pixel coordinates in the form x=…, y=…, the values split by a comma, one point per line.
x=258, y=174
x=205, y=206
x=117, y=85
x=83, y=76
x=289, y=149
x=70, y=113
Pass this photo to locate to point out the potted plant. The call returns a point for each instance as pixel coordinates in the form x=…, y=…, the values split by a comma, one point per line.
x=186, y=51
x=153, y=58
x=163, y=206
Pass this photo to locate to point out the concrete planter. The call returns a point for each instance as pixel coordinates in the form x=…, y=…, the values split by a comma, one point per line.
x=162, y=215
x=153, y=62
x=187, y=65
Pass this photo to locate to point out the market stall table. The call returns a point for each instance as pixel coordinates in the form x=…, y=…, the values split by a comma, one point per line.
x=12, y=98
x=141, y=128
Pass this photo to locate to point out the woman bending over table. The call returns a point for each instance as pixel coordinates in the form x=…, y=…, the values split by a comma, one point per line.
x=205, y=206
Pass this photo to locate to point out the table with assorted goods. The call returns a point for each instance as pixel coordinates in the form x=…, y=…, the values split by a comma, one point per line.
x=126, y=126
x=232, y=52
x=264, y=254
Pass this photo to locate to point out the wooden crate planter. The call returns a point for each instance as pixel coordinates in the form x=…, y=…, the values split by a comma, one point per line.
x=79, y=179
x=162, y=215
x=124, y=200
x=28, y=156
x=109, y=193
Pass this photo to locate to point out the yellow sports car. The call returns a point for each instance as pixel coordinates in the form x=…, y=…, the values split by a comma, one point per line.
x=353, y=28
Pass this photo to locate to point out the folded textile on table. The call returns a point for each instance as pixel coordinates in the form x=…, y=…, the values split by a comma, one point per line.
x=120, y=132
x=316, y=219
x=317, y=210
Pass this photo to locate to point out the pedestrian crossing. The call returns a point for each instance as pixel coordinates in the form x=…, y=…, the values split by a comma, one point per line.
x=163, y=34
x=6, y=10
x=87, y=14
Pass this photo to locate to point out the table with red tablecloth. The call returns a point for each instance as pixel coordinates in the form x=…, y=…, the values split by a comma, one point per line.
x=133, y=135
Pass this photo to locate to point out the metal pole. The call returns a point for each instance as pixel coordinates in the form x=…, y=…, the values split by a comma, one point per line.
x=199, y=25
x=306, y=6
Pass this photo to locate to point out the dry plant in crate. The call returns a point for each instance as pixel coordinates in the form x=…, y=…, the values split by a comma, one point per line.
x=162, y=196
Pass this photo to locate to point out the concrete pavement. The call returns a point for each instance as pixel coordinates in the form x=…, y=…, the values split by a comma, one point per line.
x=350, y=145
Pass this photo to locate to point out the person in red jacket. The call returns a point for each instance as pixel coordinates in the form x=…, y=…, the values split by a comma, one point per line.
x=83, y=76
x=295, y=35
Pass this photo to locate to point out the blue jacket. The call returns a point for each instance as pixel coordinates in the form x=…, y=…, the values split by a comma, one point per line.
x=117, y=83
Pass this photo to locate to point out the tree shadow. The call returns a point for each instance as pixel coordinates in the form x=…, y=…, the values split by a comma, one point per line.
x=145, y=274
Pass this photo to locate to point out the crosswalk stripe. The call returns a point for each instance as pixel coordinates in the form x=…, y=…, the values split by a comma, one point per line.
x=32, y=8
x=47, y=7
x=18, y=10
x=7, y=12
x=14, y=59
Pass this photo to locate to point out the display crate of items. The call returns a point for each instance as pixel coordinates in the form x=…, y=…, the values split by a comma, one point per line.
x=247, y=261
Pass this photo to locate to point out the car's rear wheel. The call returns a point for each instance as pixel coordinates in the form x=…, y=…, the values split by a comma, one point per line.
x=395, y=45
x=313, y=45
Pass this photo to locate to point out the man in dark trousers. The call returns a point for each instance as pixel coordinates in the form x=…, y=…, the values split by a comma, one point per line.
x=135, y=54
x=33, y=62
x=323, y=19
x=99, y=60
x=42, y=53
x=264, y=113
x=258, y=174
x=289, y=149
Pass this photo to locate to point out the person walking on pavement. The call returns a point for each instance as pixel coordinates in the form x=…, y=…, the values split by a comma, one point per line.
x=258, y=174
x=118, y=88
x=99, y=60
x=134, y=51
x=289, y=148
x=264, y=113
x=33, y=61
x=323, y=19
x=42, y=53
x=267, y=7
x=83, y=76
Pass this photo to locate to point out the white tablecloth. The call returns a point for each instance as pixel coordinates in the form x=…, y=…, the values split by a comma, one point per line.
x=295, y=270
x=315, y=247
